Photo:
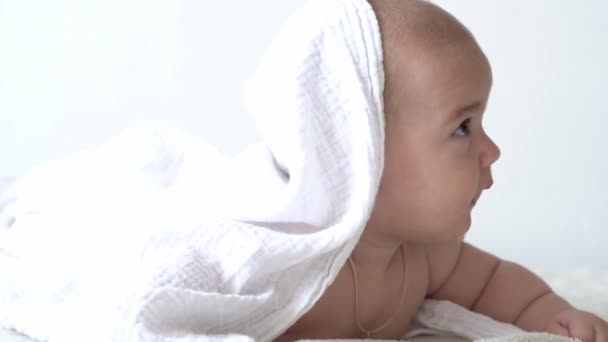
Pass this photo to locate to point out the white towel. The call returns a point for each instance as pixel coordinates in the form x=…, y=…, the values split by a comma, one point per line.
x=157, y=237
x=530, y=337
x=524, y=337
x=447, y=318
x=450, y=322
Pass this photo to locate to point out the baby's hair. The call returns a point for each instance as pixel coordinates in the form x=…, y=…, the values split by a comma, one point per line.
x=417, y=22
x=410, y=29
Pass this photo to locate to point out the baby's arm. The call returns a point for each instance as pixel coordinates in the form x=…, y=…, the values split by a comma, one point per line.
x=506, y=291
x=486, y=284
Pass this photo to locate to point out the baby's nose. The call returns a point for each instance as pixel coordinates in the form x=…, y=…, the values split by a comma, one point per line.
x=490, y=153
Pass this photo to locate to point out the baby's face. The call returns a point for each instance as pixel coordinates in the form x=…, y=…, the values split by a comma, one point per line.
x=438, y=156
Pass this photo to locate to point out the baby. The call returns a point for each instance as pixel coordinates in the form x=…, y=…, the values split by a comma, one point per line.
x=438, y=161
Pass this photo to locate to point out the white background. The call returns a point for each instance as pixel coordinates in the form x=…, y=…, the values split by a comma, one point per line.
x=73, y=73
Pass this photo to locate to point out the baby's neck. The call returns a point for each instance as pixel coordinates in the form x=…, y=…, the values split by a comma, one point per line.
x=374, y=257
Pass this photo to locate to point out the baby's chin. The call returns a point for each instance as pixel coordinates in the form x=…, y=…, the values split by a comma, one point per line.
x=444, y=233
x=464, y=228
x=453, y=231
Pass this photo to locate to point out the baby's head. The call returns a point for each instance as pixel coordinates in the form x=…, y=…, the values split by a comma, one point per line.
x=437, y=155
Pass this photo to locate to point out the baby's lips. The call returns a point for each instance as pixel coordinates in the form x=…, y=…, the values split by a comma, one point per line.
x=475, y=199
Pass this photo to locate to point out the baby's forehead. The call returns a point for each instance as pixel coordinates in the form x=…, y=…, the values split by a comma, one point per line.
x=437, y=82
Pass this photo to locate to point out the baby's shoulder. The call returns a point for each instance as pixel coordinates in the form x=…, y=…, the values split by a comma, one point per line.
x=441, y=257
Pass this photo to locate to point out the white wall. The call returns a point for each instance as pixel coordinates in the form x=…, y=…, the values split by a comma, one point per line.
x=72, y=73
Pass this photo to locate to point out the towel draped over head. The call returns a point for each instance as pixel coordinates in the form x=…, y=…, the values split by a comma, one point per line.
x=156, y=236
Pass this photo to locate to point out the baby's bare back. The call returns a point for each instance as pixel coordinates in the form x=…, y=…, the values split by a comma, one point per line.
x=333, y=316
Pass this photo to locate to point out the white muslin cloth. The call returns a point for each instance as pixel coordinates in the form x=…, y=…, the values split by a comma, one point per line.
x=156, y=236
x=444, y=318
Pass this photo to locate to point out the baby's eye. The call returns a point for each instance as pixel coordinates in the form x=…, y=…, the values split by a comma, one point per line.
x=464, y=129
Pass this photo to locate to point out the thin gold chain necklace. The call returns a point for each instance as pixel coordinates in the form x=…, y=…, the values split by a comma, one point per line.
x=356, y=285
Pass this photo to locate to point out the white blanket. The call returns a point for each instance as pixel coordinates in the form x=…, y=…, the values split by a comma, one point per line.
x=157, y=237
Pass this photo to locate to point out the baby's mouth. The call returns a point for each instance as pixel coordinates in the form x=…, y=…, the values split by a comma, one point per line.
x=474, y=201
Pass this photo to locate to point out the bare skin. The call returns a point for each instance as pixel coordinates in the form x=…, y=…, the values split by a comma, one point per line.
x=438, y=161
